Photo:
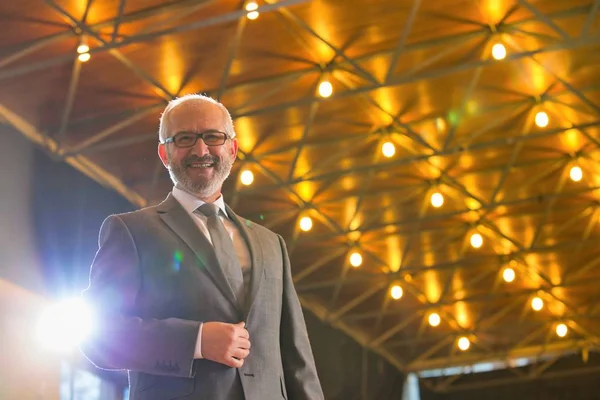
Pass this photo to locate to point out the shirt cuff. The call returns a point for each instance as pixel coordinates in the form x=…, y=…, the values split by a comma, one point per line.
x=198, y=350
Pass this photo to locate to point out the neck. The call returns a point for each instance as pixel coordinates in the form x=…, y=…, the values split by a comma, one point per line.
x=207, y=199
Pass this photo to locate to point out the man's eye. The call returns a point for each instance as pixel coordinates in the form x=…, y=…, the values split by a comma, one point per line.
x=185, y=138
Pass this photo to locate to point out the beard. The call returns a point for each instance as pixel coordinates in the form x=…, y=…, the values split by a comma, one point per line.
x=203, y=186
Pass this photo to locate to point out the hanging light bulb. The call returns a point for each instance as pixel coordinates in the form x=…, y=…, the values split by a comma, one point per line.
x=388, y=149
x=499, y=51
x=561, y=330
x=325, y=89
x=251, y=7
x=464, y=343
x=476, y=240
x=576, y=173
x=84, y=57
x=396, y=292
x=247, y=177
x=537, y=304
x=508, y=274
x=437, y=199
x=306, y=224
x=356, y=259
x=83, y=50
x=542, y=119
x=434, y=319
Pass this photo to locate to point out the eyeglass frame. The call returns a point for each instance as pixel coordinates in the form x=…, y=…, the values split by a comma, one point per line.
x=198, y=135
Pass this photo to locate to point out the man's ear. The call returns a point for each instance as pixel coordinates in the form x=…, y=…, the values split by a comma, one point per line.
x=163, y=154
x=234, y=148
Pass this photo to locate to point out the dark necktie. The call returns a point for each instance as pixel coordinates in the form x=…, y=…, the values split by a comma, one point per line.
x=224, y=249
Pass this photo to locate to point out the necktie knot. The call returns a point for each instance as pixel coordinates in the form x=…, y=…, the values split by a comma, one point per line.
x=208, y=209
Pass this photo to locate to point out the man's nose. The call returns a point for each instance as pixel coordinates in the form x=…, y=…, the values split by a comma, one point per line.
x=200, y=148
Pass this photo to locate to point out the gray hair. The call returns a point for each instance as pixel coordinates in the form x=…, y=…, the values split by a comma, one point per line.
x=162, y=129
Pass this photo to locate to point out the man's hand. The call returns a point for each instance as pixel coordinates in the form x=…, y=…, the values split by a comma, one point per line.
x=225, y=343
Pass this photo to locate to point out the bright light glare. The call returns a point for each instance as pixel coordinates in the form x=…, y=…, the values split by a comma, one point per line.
x=576, y=174
x=306, y=224
x=561, y=330
x=396, y=292
x=325, y=89
x=251, y=7
x=65, y=325
x=84, y=57
x=508, y=275
x=355, y=259
x=464, y=343
x=83, y=48
x=437, y=200
x=476, y=240
x=499, y=51
x=247, y=177
x=542, y=119
x=434, y=319
x=388, y=149
x=537, y=304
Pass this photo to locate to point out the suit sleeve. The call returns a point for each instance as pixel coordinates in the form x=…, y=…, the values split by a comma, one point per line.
x=122, y=340
x=301, y=379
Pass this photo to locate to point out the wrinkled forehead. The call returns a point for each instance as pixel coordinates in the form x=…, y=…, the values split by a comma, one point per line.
x=194, y=116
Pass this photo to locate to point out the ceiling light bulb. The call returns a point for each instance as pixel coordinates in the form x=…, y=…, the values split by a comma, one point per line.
x=464, y=343
x=306, y=224
x=83, y=48
x=542, y=119
x=499, y=51
x=561, y=330
x=247, y=177
x=388, y=149
x=251, y=6
x=325, y=89
x=576, y=173
x=434, y=319
x=537, y=304
x=396, y=292
x=476, y=240
x=252, y=15
x=355, y=259
x=508, y=275
x=437, y=199
x=84, y=57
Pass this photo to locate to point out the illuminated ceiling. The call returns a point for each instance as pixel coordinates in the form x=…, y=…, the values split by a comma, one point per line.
x=466, y=129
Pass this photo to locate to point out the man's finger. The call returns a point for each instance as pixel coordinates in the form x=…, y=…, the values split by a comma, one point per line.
x=244, y=344
x=240, y=354
x=243, y=333
x=236, y=362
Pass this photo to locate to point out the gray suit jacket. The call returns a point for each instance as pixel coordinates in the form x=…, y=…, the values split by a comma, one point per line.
x=155, y=277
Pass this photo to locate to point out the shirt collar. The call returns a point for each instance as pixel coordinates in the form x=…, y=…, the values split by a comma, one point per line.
x=190, y=203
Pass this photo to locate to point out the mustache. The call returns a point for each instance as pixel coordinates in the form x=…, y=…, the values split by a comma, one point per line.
x=204, y=159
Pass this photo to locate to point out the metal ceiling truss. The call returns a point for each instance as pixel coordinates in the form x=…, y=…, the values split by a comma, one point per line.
x=344, y=315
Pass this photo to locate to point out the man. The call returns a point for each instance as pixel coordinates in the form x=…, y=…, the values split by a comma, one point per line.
x=193, y=300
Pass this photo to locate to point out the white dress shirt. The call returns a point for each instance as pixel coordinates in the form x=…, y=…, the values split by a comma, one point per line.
x=190, y=203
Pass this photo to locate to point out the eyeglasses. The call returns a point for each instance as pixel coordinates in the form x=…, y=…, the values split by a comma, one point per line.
x=189, y=139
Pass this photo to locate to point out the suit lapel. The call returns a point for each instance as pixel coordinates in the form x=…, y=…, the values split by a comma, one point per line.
x=182, y=224
x=253, y=242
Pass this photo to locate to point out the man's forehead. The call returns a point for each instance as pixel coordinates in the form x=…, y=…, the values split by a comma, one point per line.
x=196, y=112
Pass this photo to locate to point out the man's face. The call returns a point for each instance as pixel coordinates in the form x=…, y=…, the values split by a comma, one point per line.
x=199, y=169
